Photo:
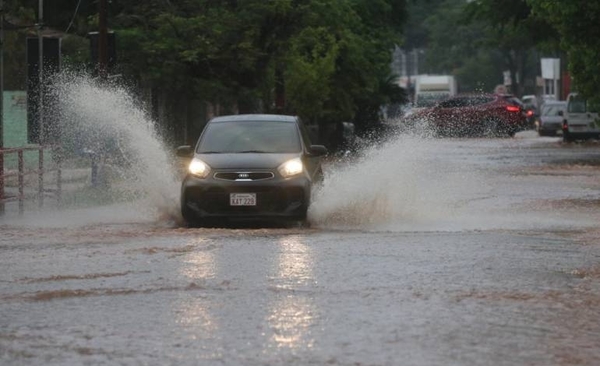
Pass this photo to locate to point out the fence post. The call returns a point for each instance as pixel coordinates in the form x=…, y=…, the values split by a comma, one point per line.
x=41, y=177
x=59, y=177
x=21, y=183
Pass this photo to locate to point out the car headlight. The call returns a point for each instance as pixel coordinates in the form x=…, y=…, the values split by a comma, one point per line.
x=198, y=168
x=291, y=168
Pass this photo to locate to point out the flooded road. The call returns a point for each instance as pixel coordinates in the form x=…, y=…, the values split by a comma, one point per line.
x=422, y=252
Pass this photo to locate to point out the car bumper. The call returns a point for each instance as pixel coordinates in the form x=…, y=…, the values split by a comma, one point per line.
x=275, y=198
x=582, y=135
x=551, y=127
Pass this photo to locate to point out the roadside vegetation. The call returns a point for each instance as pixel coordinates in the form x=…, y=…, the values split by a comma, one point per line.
x=325, y=60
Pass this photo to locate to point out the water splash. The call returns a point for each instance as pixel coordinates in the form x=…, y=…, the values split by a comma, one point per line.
x=107, y=120
x=405, y=184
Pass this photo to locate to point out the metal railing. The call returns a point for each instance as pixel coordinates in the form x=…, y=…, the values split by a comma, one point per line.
x=21, y=172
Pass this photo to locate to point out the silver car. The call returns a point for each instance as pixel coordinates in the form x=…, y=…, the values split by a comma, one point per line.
x=551, y=117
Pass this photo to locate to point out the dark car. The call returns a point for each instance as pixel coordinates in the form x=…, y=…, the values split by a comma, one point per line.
x=253, y=166
x=551, y=119
x=476, y=115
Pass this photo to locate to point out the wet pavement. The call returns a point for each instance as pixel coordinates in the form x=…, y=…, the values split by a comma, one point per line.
x=454, y=252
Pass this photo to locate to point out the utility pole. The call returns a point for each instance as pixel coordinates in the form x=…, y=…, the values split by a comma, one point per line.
x=1, y=106
x=103, y=40
x=41, y=137
x=102, y=69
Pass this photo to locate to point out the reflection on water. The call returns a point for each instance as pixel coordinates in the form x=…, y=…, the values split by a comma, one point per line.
x=199, y=265
x=292, y=314
x=193, y=312
x=291, y=318
x=294, y=263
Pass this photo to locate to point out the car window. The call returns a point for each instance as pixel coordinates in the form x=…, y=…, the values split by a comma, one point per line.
x=250, y=136
x=453, y=103
x=552, y=109
x=515, y=101
x=478, y=100
x=576, y=105
x=305, y=134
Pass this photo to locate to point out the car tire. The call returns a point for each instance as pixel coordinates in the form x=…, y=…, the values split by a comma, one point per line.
x=189, y=216
x=303, y=222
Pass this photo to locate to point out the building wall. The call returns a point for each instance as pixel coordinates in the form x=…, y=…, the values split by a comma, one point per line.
x=15, y=119
x=15, y=130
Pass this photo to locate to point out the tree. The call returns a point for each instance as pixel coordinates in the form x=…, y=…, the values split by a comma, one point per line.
x=577, y=23
x=457, y=47
x=325, y=60
x=513, y=29
x=325, y=57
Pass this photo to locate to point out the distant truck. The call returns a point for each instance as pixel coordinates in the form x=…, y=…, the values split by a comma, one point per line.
x=430, y=89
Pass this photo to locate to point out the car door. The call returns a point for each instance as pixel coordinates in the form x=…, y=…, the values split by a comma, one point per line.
x=580, y=118
x=594, y=116
x=445, y=113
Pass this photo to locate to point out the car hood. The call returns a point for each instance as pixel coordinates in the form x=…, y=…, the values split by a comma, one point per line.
x=246, y=160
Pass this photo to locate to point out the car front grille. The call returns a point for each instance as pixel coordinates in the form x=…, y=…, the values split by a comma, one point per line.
x=244, y=176
x=269, y=199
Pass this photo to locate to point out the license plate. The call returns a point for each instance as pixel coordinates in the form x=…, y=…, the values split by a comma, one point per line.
x=242, y=199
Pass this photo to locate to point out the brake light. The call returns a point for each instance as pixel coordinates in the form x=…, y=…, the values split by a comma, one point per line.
x=529, y=113
x=513, y=108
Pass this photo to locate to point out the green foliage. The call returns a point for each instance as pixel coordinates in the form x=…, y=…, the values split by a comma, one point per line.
x=332, y=53
x=510, y=27
x=331, y=56
x=417, y=33
x=311, y=64
x=577, y=23
x=477, y=41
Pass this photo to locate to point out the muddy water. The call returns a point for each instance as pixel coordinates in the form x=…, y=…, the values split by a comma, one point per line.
x=423, y=252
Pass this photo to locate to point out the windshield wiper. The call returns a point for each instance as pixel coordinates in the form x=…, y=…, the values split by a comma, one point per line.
x=210, y=152
x=251, y=151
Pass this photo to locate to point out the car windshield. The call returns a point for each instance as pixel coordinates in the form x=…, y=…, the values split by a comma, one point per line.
x=552, y=109
x=576, y=105
x=249, y=137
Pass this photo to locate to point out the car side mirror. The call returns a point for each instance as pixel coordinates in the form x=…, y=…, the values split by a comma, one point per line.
x=318, y=150
x=561, y=113
x=185, y=151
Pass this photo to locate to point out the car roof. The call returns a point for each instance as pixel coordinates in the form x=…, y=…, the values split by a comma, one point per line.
x=255, y=117
x=555, y=102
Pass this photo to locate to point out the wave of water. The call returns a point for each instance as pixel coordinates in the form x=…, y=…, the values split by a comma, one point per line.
x=403, y=183
x=107, y=119
x=412, y=182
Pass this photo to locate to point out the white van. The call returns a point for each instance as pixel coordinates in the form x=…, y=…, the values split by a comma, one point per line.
x=581, y=119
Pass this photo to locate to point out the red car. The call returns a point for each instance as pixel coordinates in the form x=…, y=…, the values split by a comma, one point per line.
x=475, y=115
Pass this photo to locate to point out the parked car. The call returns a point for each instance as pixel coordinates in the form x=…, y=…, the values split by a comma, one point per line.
x=550, y=120
x=250, y=167
x=581, y=119
x=475, y=115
